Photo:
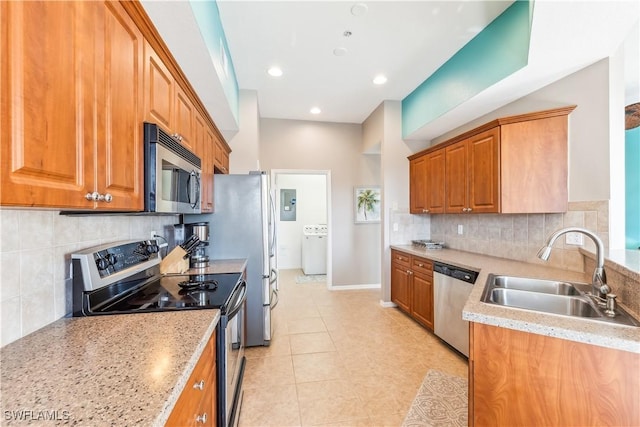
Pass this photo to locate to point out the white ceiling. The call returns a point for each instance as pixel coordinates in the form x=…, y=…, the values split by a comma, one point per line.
x=406, y=41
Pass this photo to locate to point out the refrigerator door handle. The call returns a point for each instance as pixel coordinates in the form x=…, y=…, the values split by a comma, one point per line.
x=272, y=226
x=274, y=299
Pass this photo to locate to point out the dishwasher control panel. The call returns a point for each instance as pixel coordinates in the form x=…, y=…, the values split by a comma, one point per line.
x=465, y=275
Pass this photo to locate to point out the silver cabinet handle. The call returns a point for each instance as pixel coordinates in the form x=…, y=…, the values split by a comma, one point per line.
x=425, y=210
x=421, y=265
x=199, y=385
x=469, y=209
x=97, y=197
x=92, y=196
x=201, y=418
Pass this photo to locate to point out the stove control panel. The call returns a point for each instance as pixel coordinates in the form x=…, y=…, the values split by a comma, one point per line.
x=122, y=257
x=105, y=264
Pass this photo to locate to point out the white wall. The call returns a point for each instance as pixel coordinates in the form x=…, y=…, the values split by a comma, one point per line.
x=311, y=208
x=294, y=144
x=244, y=145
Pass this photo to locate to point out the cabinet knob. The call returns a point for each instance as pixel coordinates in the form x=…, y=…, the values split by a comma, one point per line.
x=469, y=209
x=202, y=419
x=425, y=210
x=199, y=385
x=95, y=196
x=421, y=265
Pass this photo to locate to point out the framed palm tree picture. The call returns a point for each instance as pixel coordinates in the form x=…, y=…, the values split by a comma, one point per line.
x=367, y=204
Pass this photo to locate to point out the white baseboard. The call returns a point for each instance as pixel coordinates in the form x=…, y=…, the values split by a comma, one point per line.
x=387, y=304
x=353, y=287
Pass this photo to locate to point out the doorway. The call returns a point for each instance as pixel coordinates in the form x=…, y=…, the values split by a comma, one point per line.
x=303, y=198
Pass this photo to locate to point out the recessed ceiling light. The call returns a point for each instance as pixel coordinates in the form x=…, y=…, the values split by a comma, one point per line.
x=315, y=110
x=340, y=51
x=275, y=71
x=380, y=79
x=359, y=9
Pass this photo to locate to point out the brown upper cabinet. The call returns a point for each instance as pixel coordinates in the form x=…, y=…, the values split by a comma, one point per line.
x=222, y=157
x=77, y=81
x=427, y=187
x=71, y=106
x=516, y=164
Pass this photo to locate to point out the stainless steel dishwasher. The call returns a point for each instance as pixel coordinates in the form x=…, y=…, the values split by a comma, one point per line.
x=452, y=286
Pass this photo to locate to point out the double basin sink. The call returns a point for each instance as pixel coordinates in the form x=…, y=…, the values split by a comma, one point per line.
x=549, y=296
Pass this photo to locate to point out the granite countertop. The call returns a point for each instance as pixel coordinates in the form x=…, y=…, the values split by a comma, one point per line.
x=126, y=369
x=221, y=266
x=580, y=330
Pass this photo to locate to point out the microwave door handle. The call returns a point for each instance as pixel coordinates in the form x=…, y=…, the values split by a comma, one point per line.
x=193, y=175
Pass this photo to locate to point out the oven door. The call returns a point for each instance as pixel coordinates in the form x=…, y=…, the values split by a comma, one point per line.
x=233, y=366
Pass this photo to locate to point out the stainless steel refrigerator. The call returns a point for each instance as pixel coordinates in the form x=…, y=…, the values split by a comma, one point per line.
x=243, y=226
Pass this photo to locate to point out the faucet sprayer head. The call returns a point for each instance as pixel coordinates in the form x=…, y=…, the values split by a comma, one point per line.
x=544, y=253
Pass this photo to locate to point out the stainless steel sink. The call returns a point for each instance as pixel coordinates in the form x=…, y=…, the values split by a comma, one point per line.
x=549, y=303
x=535, y=285
x=549, y=296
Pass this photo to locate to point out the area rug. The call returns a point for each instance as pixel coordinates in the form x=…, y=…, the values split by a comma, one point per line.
x=314, y=278
x=441, y=401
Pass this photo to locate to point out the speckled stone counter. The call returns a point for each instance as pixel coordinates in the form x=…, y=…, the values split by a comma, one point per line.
x=103, y=370
x=579, y=330
x=221, y=266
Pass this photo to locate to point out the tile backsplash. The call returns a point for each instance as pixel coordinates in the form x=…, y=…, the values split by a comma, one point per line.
x=520, y=236
x=409, y=227
x=35, y=260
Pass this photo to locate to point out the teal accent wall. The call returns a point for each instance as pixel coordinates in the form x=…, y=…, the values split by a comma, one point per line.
x=208, y=18
x=632, y=188
x=496, y=52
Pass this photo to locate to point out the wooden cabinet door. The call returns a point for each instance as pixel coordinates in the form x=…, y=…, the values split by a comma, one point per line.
x=520, y=378
x=435, y=181
x=221, y=157
x=47, y=111
x=484, y=171
x=456, y=159
x=418, y=185
x=119, y=159
x=184, y=123
x=422, y=299
x=204, y=149
x=400, y=286
x=159, y=89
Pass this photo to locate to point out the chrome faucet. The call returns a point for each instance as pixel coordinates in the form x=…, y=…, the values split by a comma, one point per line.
x=599, y=278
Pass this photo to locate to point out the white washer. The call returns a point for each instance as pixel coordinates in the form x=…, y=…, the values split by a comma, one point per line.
x=314, y=249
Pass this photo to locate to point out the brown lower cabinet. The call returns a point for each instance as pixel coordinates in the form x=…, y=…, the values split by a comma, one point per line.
x=196, y=405
x=518, y=378
x=412, y=286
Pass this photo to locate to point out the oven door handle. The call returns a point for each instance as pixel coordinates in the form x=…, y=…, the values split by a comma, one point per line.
x=243, y=288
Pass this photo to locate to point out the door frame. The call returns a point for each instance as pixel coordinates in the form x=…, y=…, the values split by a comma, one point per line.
x=327, y=174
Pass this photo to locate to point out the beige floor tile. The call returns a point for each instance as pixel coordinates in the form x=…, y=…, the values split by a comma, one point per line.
x=268, y=371
x=317, y=367
x=275, y=406
x=334, y=389
x=322, y=411
x=303, y=326
x=279, y=346
x=368, y=365
x=318, y=342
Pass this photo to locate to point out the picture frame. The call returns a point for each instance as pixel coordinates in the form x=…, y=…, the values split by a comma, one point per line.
x=366, y=204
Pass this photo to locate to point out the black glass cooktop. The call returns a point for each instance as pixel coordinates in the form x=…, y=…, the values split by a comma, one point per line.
x=175, y=292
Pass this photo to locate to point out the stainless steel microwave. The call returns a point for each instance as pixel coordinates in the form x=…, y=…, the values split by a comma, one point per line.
x=171, y=174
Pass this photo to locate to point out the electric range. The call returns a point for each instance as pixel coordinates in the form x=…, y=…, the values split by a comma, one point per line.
x=124, y=278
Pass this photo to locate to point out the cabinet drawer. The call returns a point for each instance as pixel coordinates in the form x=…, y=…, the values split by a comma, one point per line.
x=197, y=397
x=401, y=258
x=422, y=265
